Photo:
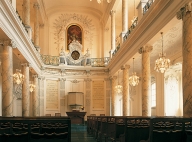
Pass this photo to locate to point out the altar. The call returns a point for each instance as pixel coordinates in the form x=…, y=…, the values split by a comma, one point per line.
x=76, y=117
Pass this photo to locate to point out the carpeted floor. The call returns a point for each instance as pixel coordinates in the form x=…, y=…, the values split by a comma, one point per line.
x=79, y=134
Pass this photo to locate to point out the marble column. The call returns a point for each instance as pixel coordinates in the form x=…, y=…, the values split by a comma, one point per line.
x=26, y=18
x=35, y=100
x=112, y=32
x=36, y=27
x=146, y=80
x=186, y=15
x=25, y=91
x=125, y=94
x=124, y=19
x=113, y=97
x=7, y=78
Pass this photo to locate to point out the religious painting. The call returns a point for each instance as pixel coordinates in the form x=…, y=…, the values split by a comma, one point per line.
x=74, y=32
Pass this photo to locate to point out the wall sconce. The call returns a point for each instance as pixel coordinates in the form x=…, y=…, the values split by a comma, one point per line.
x=31, y=86
x=18, y=77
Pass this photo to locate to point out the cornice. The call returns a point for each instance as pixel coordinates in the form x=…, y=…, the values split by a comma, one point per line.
x=159, y=14
x=13, y=28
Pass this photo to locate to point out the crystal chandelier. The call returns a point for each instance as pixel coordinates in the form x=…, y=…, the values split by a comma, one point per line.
x=18, y=77
x=99, y=1
x=118, y=88
x=134, y=79
x=162, y=63
x=31, y=86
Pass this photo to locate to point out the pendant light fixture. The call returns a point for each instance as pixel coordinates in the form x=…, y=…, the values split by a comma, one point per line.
x=162, y=64
x=134, y=79
x=18, y=77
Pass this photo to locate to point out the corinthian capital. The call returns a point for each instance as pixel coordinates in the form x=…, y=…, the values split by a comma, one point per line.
x=8, y=43
x=184, y=10
x=146, y=48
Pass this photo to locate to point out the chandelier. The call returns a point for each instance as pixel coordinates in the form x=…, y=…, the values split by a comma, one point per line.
x=162, y=63
x=18, y=77
x=118, y=88
x=31, y=86
x=134, y=79
x=99, y=1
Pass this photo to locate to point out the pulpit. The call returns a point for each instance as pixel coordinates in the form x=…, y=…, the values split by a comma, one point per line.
x=76, y=117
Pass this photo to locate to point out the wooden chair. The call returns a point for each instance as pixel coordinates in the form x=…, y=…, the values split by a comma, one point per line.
x=57, y=114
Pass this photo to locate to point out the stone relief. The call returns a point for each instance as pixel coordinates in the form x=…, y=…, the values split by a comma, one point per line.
x=18, y=91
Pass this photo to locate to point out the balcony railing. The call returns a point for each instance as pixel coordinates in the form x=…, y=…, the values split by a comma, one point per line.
x=100, y=62
x=55, y=61
x=132, y=27
x=117, y=48
x=146, y=7
x=50, y=60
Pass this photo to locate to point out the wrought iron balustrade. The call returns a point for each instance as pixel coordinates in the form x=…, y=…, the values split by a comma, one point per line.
x=147, y=6
x=117, y=48
x=55, y=61
x=50, y=60
x=132, y=27
x=100, y=62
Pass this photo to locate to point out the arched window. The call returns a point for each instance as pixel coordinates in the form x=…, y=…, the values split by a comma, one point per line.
x=74, y=32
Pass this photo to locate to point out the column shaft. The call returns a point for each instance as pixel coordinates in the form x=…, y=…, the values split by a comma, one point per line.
x=146, y=81
x=26, y=11
x=186, y=14
x=124, y=16
x=36, y=25
x=113, y=30
x=25, y=91
x=36, y=107
x=125, y=90
x=7, y=80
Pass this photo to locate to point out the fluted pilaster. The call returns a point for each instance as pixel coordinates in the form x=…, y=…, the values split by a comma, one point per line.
x=7, y=78
x=36, y=105
x=146, y=80
x=125, y=69
x=186, y=14
x=25, y=91
x=113, y=97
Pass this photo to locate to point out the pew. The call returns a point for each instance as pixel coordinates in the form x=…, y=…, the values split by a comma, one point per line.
x=166, y=129
x=142, y=129
x=35, y=129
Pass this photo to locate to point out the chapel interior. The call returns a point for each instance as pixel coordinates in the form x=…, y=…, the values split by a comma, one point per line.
x=73, y=54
